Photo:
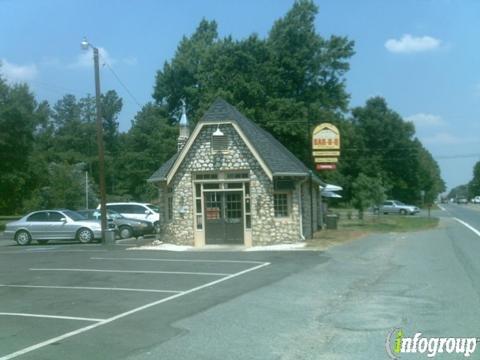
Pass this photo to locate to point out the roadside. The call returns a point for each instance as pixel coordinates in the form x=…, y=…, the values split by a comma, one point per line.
x=345, y=307
x=351, y=228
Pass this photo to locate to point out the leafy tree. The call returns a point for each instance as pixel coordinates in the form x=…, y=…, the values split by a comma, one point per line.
x=111, y=105
x=387, y=148
x=458, y=191
x=64, y=187
x=282, y=81
x=429, y=179
x=150, y=142
x=367, y=191
x=19, y=116
x=474, y=184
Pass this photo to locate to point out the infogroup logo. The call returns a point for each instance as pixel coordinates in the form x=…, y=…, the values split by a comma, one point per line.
x=397, y=343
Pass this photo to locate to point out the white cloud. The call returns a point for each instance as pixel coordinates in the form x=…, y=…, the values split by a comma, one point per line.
x=17, y=73
x=422, y=119
x=411, y=44
x=444, y=138
x=85, y=59
x=131, y=60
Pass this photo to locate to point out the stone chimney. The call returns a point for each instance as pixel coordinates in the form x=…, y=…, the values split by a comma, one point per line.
x=184, y=131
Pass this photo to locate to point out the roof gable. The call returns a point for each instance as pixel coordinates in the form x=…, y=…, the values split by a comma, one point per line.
x=274, y=158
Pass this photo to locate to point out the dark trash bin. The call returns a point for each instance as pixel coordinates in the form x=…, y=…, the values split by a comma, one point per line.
x=332, y=221
x=109, y=236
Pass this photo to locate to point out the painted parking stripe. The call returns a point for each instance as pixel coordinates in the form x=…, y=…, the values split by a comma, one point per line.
x=51, y=316
x=135, y=271
x=468, y=226
x=130, y=312
x=181, y=260
x=89, y=288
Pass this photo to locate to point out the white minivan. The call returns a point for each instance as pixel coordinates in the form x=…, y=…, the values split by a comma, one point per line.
x=140, y=211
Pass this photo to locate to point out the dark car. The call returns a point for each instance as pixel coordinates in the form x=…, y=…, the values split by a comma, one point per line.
x=127, y=228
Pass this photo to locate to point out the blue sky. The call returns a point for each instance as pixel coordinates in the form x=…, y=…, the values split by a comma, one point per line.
x=422, y=56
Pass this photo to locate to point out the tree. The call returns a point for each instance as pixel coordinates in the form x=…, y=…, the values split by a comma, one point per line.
x=111, y=105
x=150, y=142
x=387, y=149
x=19, y=116
x=429, y=179
x=367, y=191
x=474, y=184
x=281, y=82
x=64, y=187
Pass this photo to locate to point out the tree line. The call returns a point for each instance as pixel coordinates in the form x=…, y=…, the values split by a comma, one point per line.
x=291, y=78
x=470, y=189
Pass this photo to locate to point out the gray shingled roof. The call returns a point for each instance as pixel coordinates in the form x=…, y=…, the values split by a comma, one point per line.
x=277, y=157
x=161, y=173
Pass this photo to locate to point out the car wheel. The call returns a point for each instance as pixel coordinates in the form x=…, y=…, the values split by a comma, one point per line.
x=125, y=232
x=85, y=235
x=403, y=212
x=42, y=242
x=157, y=227
x=23, y=237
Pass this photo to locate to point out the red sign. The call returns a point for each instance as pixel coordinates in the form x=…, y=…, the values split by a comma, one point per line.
x=326, y=166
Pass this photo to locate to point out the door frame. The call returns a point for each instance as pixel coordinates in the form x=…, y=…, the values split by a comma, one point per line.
x=223, y=211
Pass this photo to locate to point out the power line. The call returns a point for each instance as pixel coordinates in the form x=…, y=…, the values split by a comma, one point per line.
x=121, y=83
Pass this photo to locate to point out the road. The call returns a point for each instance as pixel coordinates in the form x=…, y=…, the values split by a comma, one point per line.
x=337, y=304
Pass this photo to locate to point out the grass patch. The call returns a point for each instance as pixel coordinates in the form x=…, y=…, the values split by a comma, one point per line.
x=350, y=229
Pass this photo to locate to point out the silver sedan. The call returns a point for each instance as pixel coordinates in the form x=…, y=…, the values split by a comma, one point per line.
x=53, y=225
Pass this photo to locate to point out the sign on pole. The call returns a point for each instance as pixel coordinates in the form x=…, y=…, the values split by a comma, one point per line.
x=326, y=146
x=326, y=166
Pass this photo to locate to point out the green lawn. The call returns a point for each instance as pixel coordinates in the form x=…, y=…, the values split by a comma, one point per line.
x=354, y=228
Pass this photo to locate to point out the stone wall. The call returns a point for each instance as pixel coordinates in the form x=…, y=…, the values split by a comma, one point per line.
x=266, y=229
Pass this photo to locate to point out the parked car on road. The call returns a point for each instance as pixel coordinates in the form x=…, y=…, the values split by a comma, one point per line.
x=127, y=228
x=462, y=200
x=476, y=200
x=396, y=207
x=46, y=225
x=138, y=211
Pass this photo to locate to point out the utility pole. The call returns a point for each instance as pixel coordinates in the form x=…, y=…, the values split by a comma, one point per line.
x=101, y=151
x=310, y=174
x=86, y=190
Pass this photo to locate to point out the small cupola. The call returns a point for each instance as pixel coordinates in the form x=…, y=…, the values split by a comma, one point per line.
x=184, y=130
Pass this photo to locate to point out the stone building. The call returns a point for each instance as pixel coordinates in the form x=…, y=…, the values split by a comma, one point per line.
x=231, y=182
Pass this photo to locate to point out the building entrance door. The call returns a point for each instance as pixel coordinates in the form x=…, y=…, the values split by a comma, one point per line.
x=223, y=217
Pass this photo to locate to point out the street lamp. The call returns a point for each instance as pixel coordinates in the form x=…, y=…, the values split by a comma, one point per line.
x=101, y=156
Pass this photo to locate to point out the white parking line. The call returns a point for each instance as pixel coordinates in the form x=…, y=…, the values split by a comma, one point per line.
x=441, y=207
x=181, y=260
x=135, y=271
x=89, y=288
x=122, y=315
x=51, y=316
x=468, y=226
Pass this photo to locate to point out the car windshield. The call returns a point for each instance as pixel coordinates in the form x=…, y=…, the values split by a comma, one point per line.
x=75, y=216
x=399, y=203
x=153, y=207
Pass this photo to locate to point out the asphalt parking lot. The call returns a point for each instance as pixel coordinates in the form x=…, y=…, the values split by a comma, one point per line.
x=91, y=301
